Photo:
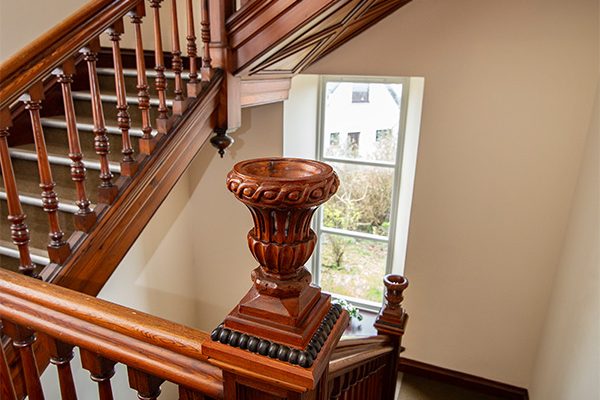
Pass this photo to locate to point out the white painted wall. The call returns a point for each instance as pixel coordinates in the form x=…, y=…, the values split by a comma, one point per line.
x=509, y=88
x=568, y=361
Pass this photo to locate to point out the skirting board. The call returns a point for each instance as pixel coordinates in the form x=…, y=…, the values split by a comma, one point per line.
x=461, y=379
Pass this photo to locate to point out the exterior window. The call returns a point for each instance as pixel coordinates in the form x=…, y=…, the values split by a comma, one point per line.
x=355, y=228
x=334, y=139
x=360, y=93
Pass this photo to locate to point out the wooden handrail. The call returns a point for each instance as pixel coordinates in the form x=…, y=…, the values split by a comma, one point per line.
x=156, y=346
x=49, y=51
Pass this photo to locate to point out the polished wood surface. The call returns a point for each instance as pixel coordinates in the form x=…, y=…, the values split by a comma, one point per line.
x=85, y=218
x=193, y=84
x=101, y=252
x=147, y=142
x=282, y=194
x=109, y=332
x=22, y=339
x=284, y=37
x=107, y=190
x=58, y=248
x=18, y=228
x=206, y=70
x=129, y=165
x=176, y=61
x=160, y=82
x=61, y=356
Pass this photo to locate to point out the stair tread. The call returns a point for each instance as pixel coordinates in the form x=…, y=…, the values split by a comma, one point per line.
x=27, y=152
x=111, y=97
x=86, y=124
x=34, y=199
x=33, y=250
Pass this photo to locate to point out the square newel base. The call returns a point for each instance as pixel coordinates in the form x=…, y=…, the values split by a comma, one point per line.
x=291, y=321
x=248, y=372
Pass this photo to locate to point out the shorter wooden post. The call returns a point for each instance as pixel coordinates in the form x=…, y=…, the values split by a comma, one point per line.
x=392, y=321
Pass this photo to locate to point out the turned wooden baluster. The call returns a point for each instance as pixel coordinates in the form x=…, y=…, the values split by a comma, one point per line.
x=23, y=339
x=176, y=63
x=160, y=83
x=101, y=371
x=206, y=70
x=61, y=355
x=147, y=386
x=18, y=229
x=146, y=142
x=58, y=249
x=84, y=218
x=193, y=85
x=7, y=389
x=107, y=190
x=128, y=164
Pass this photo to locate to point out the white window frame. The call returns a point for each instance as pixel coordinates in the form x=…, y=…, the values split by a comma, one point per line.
x=396, y=166
x=300, y=139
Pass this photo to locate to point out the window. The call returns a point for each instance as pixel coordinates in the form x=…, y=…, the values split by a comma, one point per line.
x=360, y=93
x=334, y=139
x=356, y=227
x=355, y=249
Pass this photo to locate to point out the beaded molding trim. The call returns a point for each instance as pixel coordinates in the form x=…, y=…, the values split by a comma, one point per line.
x=304, y=358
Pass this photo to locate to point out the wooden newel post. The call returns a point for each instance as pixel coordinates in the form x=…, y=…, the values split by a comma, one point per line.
x=392, y=321
x=276, y=343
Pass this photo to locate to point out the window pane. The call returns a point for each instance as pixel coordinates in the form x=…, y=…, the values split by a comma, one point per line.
x=363, y=201
x=365, y=118
x=352, y=267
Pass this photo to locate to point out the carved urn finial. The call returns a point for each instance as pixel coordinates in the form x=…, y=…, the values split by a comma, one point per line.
x=282, y=195
x=392, y=317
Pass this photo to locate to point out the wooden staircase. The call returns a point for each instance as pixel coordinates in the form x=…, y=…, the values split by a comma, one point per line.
x=104, y=133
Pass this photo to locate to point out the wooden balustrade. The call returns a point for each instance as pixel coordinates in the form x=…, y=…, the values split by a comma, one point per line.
x=154, y=349
x=193, y=85
x=176, y=62
x=206, y=70
x=160, y=82
x=107, y=190
x=129, y=165
x=85, y=218
x=58, y=248
x=147, y=142
x=18, y=229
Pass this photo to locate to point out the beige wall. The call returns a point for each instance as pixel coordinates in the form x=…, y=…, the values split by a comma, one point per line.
x=23, y=21
x=509, y=88
x=568, y=361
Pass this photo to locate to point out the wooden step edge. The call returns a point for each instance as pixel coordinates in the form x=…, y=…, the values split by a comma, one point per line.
x=87, y=127
x=64, y=206
x=38, y=256
x=59, y=160
x=111, y=98
x=132, y=72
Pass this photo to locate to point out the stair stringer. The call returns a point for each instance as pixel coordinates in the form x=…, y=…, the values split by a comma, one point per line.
x=99, y=254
